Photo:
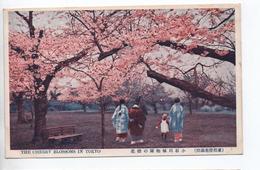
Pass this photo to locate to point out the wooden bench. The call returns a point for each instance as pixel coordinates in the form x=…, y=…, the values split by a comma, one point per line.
x=61, y=134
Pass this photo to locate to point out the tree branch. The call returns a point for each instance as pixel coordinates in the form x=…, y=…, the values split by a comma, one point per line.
x=106, y=54
x=192, y=89
x=223, y=21
x=87, y=74
x=63, y=64
x=202, y=66
x=202, y=51
x=29, y=21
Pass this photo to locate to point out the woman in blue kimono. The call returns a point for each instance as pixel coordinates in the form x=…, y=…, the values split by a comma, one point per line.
x=176, y=120
x=120, y=120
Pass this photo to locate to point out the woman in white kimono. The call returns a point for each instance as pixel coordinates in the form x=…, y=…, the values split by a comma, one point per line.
x=120, y=120
x=176, y=120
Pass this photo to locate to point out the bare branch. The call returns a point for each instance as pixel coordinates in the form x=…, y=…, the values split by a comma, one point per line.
x=202, y=66
x=29, y=21
x=223, y=21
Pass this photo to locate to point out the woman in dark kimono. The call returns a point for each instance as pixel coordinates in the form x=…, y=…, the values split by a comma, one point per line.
x=136, y=124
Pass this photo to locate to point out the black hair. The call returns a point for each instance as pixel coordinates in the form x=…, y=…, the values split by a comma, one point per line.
x=177, y=100
x=138, y=100
x=121, y=101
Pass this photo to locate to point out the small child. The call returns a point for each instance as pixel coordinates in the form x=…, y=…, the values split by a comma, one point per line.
x=164, y=125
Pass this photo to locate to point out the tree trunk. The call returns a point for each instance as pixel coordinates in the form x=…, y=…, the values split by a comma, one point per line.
x=193, y=89
x=20, y=111
x=32, y=112
x=19, y=103
x=155, y=108
x=40, y=106
x=84, y=107
x=102, y=125
x=196, y=102
x=142, y=106
x=190, y=105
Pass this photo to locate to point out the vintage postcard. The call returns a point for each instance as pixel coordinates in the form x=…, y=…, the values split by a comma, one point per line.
x=123, y=81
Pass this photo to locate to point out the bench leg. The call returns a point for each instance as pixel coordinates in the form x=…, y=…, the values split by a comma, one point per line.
x=79, y=138
x=52, y=142
x=67, y=140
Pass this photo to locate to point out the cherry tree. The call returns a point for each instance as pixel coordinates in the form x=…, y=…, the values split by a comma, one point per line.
x=99, y=83
x=155, y=94
x=207, y=33
x=45, y=53
x=49, y=50
x=146, y=89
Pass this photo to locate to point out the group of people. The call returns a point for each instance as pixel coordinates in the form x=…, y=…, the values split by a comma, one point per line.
x=133, y=121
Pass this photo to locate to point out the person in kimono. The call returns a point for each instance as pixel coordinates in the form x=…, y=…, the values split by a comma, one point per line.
x=120, y=120
x=176, y=120
x=136, y=124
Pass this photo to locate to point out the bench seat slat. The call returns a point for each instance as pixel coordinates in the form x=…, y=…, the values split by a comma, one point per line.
x=64, y=136
x=60, y=132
